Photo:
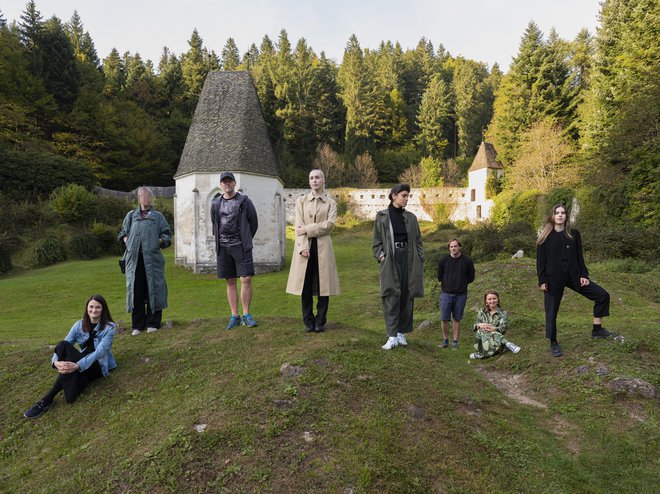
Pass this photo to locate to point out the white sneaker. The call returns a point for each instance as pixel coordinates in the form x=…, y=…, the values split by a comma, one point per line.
x=475, y=355
x=152, y=330
x=391, y=342
x=401, y=339
x=513, y=347
x=136, y=332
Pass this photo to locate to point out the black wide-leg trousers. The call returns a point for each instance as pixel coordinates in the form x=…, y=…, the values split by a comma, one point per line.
x=311, y=287
x=74, y=383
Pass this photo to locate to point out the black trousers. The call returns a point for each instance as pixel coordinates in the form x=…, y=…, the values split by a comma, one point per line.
x=398, y=309
x=74, y=383
x=311, y=288
x=142, y=316
x=592, y=291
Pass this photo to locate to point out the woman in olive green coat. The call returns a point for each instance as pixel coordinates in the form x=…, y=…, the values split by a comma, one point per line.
x=145, y=232
x=397, y=246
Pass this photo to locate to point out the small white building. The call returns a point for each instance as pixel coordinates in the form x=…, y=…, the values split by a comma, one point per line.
x=227, y=133
x=474, y=205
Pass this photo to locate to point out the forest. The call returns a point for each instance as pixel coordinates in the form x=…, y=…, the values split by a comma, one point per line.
x=570, y=118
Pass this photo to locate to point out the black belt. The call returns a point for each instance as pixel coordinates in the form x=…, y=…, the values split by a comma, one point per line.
x=401, y=245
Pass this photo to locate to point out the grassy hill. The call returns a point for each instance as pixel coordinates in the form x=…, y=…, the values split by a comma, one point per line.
x=356, y=418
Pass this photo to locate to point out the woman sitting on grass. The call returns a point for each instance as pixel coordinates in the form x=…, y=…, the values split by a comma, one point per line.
x=93, y=334
x=492, y=323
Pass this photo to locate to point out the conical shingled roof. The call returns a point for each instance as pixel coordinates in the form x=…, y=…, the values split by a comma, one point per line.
x=486, y=158
x=228, y=131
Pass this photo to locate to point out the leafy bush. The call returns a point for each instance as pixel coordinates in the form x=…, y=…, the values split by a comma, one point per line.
x=487, y=243
x=112, y=210
x=33, y=174
x=106, y=239
x=166, y=209
x=73, y=203
x=19, y=217
x=560, y=195
x=391, y=163
x=5, y=260
x=85, y=245
x=519, y=236
x=527, y=207
x=45, y=252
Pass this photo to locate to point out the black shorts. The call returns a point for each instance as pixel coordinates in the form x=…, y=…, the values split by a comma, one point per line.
x=232, y=262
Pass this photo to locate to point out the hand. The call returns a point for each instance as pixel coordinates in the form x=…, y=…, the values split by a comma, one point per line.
x=544, y=287
x=381, y=259
x=301, y=230
x=584, y=281
x=125, y=239
x=305, y=253
x=64, y=367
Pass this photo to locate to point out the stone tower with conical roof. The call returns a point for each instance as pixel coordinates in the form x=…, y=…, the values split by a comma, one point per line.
x=484, y=165
x=227, y=133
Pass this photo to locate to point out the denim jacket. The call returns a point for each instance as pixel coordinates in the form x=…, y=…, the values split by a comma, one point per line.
x=102, y=347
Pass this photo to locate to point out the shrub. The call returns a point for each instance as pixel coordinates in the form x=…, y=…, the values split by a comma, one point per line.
x=391, y=163
x=73, y=203
x=5, y=260
x=431, y=172
x=487, y=243
x=527, y=207
x=112, y=210
x=85, y=245
x=519, y=236
x=165, y=208
x=560, y=195
x=106, y=239
x=45, y=252
x=33, y=174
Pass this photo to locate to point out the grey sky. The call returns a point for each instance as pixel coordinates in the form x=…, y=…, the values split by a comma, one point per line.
x=484, y=30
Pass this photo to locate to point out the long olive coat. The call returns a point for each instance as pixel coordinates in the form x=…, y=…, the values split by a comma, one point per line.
x=383, y=244
x=318, y=216
x=152, y=234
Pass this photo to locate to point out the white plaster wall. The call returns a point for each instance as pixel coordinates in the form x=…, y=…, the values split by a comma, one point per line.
x=195, y=243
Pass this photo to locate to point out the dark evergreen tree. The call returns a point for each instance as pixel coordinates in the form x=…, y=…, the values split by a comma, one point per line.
x=231, y=58
x=115, y=73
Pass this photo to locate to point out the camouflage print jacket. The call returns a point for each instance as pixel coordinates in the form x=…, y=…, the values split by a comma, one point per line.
x=499, y=319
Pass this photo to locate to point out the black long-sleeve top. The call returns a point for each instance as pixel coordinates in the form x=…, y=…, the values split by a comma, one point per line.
x=455, y=273
x=555, y=250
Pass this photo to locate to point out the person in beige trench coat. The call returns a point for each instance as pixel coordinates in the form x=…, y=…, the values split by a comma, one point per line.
x=313, y=270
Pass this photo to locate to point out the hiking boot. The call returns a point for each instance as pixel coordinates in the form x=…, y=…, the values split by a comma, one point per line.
x=391, y=342
x=248, y=321
x=234, y=321
x=445, y=344
x=309, y=329
x=401, y=339
x=136, y=332
x=513, y=347
x=475, y=355
x=555, y=350
x=319, y=328
x=152, y=330
x=37, y=409
x=603, y=333
x=454, y=345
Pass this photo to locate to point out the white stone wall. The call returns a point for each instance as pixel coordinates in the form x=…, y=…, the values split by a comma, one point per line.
x=194, y=241
x=365, y=203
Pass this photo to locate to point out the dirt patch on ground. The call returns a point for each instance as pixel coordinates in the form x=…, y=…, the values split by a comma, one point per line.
x=512, y=385
x=567, y=432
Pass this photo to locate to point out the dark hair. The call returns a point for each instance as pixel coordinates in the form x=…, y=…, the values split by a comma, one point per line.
x=491, y=292
x=397, y=189
x=87, y=324
x=455, y=240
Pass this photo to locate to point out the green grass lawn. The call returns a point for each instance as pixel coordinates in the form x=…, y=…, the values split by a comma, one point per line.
x=357, y=419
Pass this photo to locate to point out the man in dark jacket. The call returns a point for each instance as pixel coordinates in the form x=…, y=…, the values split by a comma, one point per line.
x=455, y=272
x=234, y=225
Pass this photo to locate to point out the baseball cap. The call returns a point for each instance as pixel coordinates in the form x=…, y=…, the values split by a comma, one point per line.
x=228, y=175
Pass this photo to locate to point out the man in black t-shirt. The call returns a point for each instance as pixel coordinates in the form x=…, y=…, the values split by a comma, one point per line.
x=455, y=272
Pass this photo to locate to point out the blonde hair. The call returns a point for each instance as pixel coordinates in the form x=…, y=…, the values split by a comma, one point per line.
x=550, y=224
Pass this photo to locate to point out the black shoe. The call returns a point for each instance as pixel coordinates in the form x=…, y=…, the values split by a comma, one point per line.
x=319, y=328
x=555, y=350
x=37, y=410
x=309, y=329
x=603, y=334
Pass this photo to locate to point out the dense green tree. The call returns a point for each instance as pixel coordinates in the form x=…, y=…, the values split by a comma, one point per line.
x=194, y=68
x=434, y=118
x=358, y=95
x=231, y=58
x=115, y=73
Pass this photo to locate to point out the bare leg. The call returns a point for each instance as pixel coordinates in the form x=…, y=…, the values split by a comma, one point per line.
x=598, y=320
x=457, y=326
x=445, y=329
x=232, y=296
x=246, y=293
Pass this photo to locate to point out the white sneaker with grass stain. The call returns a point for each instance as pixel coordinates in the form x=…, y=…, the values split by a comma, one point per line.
x=136, y=332
x=152, y=330
x=513, y=347
x=391, y=342
x=401, y=339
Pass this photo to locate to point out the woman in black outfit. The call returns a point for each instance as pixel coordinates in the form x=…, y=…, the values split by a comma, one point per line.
x=94, y=334
x=559, y=264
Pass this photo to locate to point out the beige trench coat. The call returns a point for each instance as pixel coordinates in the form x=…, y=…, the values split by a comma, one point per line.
x=318, y=216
